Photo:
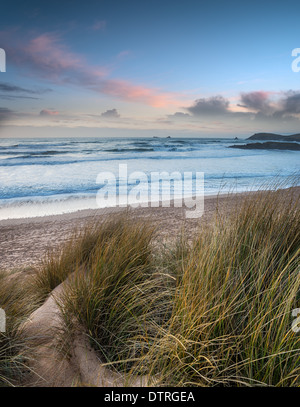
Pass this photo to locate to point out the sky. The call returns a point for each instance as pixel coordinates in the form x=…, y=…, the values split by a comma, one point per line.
x=145, y=68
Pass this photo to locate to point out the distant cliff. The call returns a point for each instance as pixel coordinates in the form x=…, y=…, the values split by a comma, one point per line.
x=276, y=137
x=269, y=145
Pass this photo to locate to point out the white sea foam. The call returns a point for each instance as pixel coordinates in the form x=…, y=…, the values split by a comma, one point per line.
x=46, y=177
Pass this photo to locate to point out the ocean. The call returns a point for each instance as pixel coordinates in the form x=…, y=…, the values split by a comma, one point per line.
x=41, y=177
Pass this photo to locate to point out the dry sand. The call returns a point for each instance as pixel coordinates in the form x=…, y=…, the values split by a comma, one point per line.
x=24, y=242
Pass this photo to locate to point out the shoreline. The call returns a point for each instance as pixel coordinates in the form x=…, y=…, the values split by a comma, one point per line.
x=25, y=241
x=80, y=213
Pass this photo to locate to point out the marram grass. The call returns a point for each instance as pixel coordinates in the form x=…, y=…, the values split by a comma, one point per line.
x=236, y=287
x=18, y=299
x=211, y=310
x=216, y=311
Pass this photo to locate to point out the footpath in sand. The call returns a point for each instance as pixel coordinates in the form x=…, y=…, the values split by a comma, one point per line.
x=52, y=367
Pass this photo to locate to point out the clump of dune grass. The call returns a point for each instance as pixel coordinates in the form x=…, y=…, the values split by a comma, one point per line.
x=214, y=310
x=118, y=294
x=236, y=286
x=61, y=262
x=18, y=300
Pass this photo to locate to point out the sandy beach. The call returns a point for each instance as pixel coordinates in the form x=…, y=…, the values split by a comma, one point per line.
x=24, y=242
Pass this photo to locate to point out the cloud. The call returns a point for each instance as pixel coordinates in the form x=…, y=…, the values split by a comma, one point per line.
x=258, y=101
x=5, y=113
x=111, y=114
x=124, y=54
x=134, y=93
x=13, y=97
x=99, y=25
x=291, y=103
x=262, y=106
x=46, y=57
x=8, y=87
x=286, y=106
x=48, y=112
x=179, y=115
x=215, y=105
x=11, y=89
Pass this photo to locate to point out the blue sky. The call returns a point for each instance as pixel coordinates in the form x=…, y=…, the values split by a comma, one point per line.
x=192, y=68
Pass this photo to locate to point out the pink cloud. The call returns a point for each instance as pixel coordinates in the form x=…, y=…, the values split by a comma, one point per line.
x=52, y=60
x=130, y=92
x=48, y=112
x=47, y=57
x=257, y=101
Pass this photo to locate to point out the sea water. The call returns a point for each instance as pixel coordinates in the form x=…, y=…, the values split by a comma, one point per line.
x=41, y=177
